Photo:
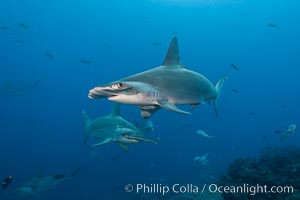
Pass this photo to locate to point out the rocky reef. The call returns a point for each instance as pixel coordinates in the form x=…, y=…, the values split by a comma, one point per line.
x=279, y=167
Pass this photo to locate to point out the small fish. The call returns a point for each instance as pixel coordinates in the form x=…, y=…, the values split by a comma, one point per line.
x=234, y=90
x=234, y=67
x=278, y=131
x=117, y=188
x=264, y=137
x=36, y=84
x=152, y=166
x=33, y=122
x=146, y=19
x=189, y=51
x=201, y=159
x=23, y=25
x=156, y=43
x=4, y=28
x=187, y=125
x=253, y=114
x=50, y=55
x=20, y=41
x=204, y=134
x=272, y=25
x=20, y=94
x=85, y=61
x=114, y=158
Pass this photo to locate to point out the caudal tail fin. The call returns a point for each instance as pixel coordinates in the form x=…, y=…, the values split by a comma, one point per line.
x=87, y=122
x=219, y=87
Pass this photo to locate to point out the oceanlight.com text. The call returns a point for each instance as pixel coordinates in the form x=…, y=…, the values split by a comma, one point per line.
x=162, y=189
x=250, y=189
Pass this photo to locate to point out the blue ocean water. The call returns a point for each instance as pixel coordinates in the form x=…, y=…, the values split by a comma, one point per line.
x=53, y=52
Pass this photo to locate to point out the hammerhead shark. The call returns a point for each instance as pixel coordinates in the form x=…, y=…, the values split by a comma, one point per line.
x=41, y=183
x=113, y=128
x=13, y=89
x=165, y=86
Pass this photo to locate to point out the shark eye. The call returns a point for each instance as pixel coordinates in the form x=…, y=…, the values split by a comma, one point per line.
x=120, y=85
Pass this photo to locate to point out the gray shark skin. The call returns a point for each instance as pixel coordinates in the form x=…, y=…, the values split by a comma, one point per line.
x=165, y=86
x=113, y=128
x=42, y=183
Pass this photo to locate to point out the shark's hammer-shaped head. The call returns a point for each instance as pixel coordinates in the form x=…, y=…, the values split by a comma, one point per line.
x=127, y=92
x=110, y=90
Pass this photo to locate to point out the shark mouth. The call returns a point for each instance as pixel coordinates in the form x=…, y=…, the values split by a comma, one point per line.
x=110, y=90
x=139, y=139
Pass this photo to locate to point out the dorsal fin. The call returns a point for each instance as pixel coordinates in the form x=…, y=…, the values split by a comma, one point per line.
x=172, y=57
x=116, y=110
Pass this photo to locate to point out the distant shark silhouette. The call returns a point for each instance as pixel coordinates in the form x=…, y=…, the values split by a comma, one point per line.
x=165, y=86
x=13, y=89
x=42, y=183
x=113, y=128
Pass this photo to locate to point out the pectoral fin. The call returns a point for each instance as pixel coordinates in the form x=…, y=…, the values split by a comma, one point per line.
x=108, y=140
x=218, y=88
x=171, y=107
x=123, y=146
